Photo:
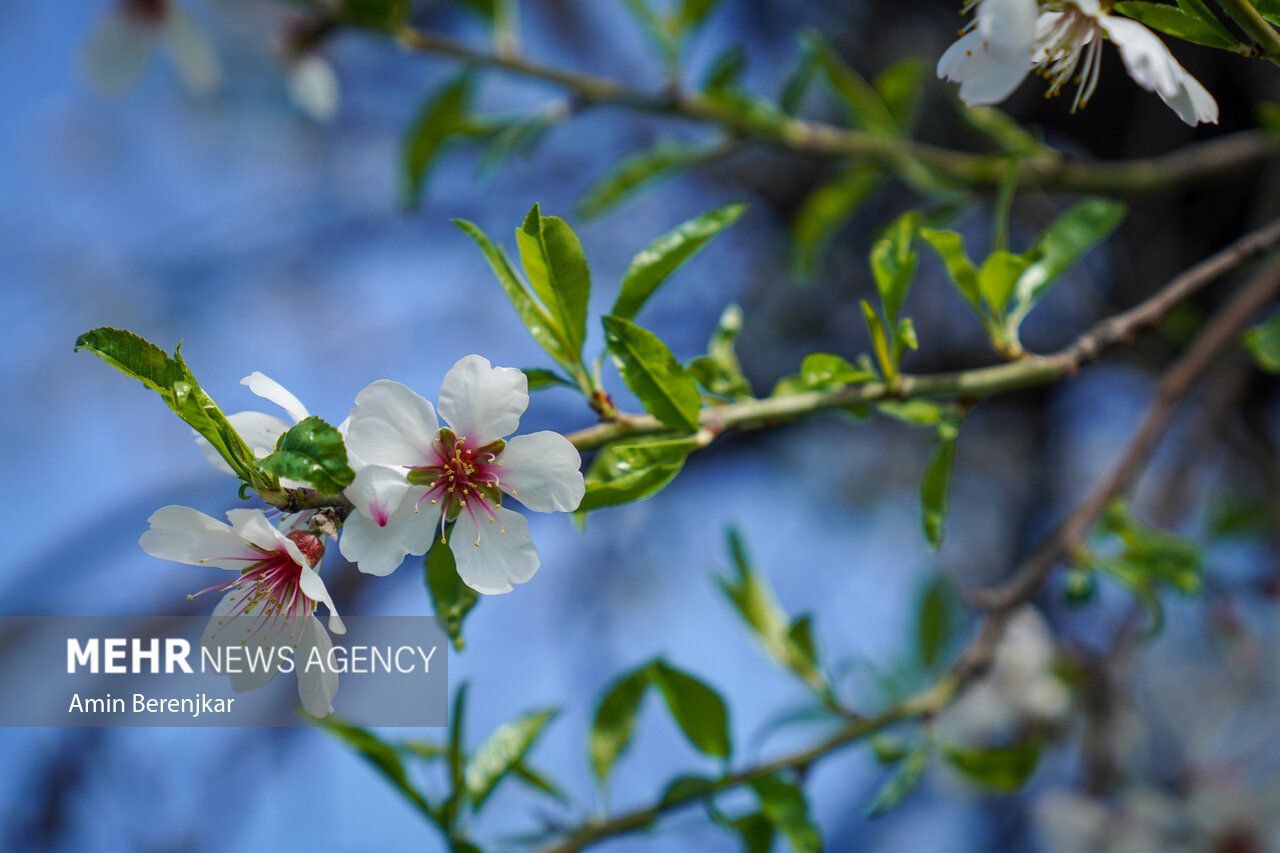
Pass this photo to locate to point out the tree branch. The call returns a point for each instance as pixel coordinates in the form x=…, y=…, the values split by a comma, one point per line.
x=1049, y=170
x=1221, y=332
x=1247, y=16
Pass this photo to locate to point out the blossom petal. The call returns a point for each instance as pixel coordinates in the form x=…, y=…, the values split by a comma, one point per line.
x=312, y=586
x=256, y=642
x=1007, y=27
x=542, y=470
x=503, y=556
x=379, y=550
x=1193, y=103
x=482, y=402
x=377, y=491
x=392, y=425
x=985, y=76
x=185, y=535
x=252, y=526
x=1146, y=58
x=317, y=684
x=269, y=389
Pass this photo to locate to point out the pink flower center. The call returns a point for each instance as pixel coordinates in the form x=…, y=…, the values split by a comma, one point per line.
x=464, y=480
x=270, y=589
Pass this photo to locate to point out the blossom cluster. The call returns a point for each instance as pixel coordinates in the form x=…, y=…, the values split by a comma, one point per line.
x=416, y=482
x=1061, y=40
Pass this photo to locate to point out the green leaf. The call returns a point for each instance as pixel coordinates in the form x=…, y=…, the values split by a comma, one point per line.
x=556, y=268
x=657, y=261
x=451, y=599
x=535, y=780
x=824, y=371
x=796, y=84
x=697, y=709
x=935, y=484
x=665, y=159
x=824, y=211
x=662, y=385
x=893, y=263
x=1001, y=768
x=692, y=14
x=614, y=722
x=540, y=378
x=879, y=340
x=687, y=786
x=755, y=831
x=1175, y=22
x=998, y=276
x=382, y=756
x=375, y=14
x=784, y=804
x=719, y=371
x=1199, y=9
x=725, y=71
x=457, y=758
x=903, y=781
x=312, y=451
x=789, y=643
x=170, y=377
x=1263, y=343
x=501, y=753
x=631, y=471
x=963, y=274
x=935, y=621
x=917, y=412
x=1061, y=245
x=537, y=319
x=863, y=102
x=442, y=116
x=900, y=87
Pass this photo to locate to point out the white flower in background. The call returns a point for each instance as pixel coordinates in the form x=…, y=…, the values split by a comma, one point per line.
x=124, y=41
x=993, y=54
x=313, y=86
x=1069, y=46
x=416, y=477
x=259, y=430
x=271, y=601
x=1019, y=689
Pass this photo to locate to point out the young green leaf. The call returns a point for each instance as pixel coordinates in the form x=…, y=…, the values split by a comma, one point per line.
x=556, y=268
x=935, y=485
x=382, y=756
x=903, y=781
x=893, y=263
x=1063, y=243
x=719, y=371
x=935, y=621
x=626, y=472
x=1263, y=343
x=964, y=275
x=170, y=377
x=1002, y=129
x=824, y=211
x=866, y=109
x=697, y=709
x=544, y=328
x=879, y=340
x=386, y=15
x=501, y=753
x=1001, y=768
x=451, y=599
x=785, y=806
x=663, y=386
x=998, y=276
x=900, y=87
x=824, y=371
x=1176, y=22
x=312, y=451
x=789, y=643
x=657, y=261
x=614, y=722
x=665, y=159
x=442, y=116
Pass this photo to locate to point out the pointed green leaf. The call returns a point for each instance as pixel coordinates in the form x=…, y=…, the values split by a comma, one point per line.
x=964, y=275
x=443, y=115
x=540, y=378
x=537, y=319
x=697, y=709
x=451, y=599
x=1001, y=768
x=663, y=386
x=501, y=753
x=719, y=371
x=824, y=211
x=556, y=268
x=900, y=87
x=879, y=340
x=1175, y=22
x=935, y=485
x=893, y=263
x=382, y=756
x=784, y=804
x=866, y=109
x=935, y=621
x=614, y=722
x=1063, y=243
x=652, y=266
x=903, y=781
x=312, y=451
x=631, y=471
x=386, y=15
x=665, y=159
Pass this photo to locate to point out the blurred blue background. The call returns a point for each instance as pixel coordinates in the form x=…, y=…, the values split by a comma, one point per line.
x=267, y=241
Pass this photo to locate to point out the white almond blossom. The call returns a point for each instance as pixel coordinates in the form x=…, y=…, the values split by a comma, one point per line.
x=416, y=477
x=996, y=53
x=271, y=601
x=127, y=37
